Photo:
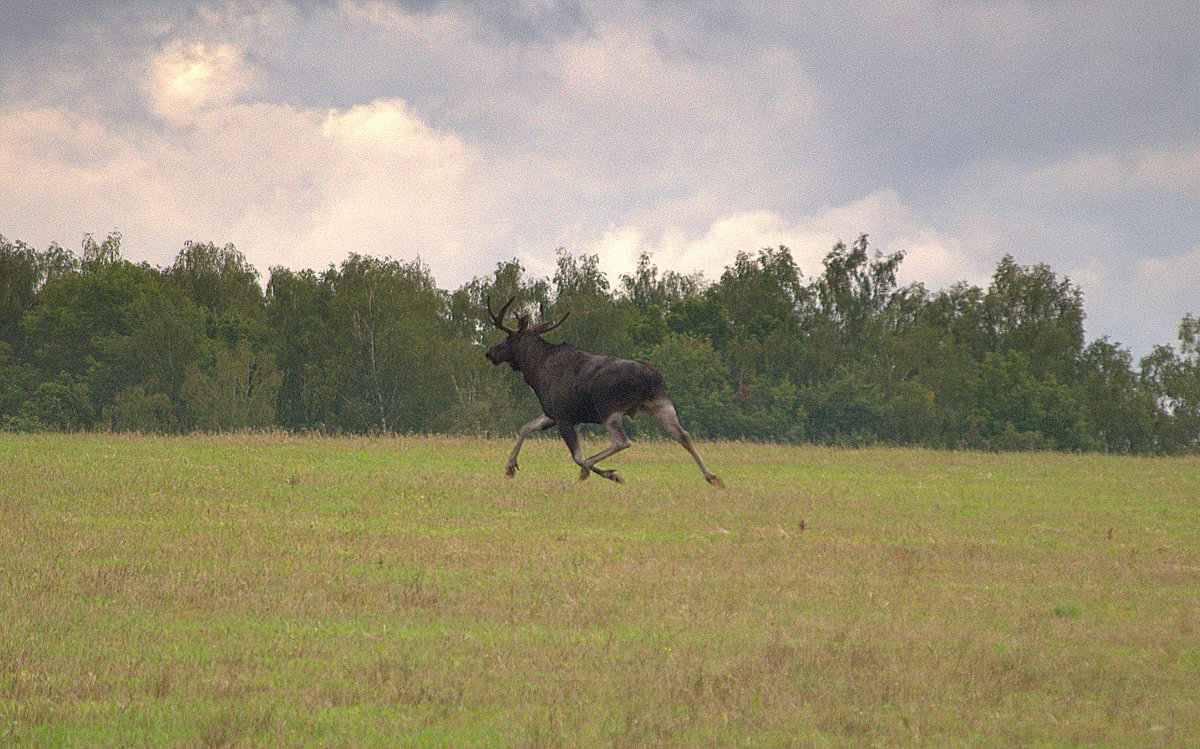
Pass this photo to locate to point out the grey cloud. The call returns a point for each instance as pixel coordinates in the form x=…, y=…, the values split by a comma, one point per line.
x=1058, y=132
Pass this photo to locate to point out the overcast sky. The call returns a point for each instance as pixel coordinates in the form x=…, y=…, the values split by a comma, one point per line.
x=469, y=133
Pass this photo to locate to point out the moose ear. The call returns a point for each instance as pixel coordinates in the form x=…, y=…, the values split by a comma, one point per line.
x=522, y=322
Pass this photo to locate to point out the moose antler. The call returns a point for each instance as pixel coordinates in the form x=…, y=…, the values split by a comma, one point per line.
x=545, y=327
x=522, y=320
x=498, y=320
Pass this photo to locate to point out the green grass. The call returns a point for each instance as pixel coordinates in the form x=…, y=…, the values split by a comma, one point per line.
x=273, y=590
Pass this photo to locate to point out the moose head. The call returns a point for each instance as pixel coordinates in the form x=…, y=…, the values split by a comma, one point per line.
x=508, y=349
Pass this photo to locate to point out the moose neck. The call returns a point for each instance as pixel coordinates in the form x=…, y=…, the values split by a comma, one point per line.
x=532, y=353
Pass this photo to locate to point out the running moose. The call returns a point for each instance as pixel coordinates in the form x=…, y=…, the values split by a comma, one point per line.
x=578, y=387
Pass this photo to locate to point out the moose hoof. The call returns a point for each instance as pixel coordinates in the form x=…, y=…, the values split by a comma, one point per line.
x=584, y=473
x=510, y=470
x=609, y=474
x=715, y=481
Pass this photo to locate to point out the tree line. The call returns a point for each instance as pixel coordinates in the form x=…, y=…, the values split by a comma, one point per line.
x=92, y=341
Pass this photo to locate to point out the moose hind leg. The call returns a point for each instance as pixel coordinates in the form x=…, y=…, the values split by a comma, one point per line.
x=541, y=423
x=663, y=411
x=620, y=441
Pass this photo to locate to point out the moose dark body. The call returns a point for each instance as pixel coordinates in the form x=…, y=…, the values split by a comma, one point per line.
x=578, y=387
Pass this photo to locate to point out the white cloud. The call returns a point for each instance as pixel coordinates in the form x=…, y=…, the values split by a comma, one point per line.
x=1173, y=167
x=393, y=17
x=1140, y=302
x=287, y=185
x=1179, y=273
x=186, y=77
x=932, y=256
x=392, y=132
x=709, y=252
x=403, y=185
x=57, y=163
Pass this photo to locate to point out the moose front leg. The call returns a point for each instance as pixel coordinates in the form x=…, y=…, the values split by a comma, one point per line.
x=539, y=424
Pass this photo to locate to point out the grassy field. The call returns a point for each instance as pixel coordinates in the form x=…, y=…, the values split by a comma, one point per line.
x=268, y=590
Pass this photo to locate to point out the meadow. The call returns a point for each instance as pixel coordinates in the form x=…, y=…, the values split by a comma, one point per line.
x=276, y=590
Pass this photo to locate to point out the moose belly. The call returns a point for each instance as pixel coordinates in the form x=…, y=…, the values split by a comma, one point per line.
x=608, y=386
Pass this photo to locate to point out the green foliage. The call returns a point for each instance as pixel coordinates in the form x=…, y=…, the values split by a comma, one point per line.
x=100, y=255
x=856, y=289
x=1029, y=310
x=297, y=315
x=530, y=297
x=763, y=292
x=702, y=315
x=845, y=410
x=1024, y=411
x=646, y=289
x=1173, y=381
x=19, y=280
x=218, y=279
x=138, y=409
x=380, y=326
x=111, y=327
x=697, y=380
x=1120, y=411
x=237, y=392
x=845, y=357
x=60, y=404
x=597, y=322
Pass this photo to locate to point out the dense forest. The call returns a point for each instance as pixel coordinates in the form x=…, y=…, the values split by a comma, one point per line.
x=847, y=357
